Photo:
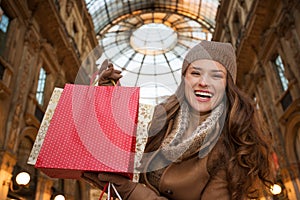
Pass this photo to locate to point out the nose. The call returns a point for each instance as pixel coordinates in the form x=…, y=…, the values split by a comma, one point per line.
x=203, y=81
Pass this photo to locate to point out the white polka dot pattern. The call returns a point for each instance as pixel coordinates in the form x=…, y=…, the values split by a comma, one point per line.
x=92, y=129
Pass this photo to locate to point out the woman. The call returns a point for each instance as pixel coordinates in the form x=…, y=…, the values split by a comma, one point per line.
x=206, y=141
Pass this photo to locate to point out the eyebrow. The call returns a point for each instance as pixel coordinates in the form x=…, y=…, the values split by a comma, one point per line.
x=214, y=70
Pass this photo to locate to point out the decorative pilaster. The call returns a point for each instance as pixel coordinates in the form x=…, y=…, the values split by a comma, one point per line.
x=22, y=86
x=7, y=162
x=43, y=190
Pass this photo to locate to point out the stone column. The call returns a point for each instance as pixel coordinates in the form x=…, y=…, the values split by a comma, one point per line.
x=7, y=162
x=43, y=189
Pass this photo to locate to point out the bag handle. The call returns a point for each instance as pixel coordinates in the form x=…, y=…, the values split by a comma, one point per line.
x=94, y=78
x=104, y=189
x=108, y=187
x=116, y=192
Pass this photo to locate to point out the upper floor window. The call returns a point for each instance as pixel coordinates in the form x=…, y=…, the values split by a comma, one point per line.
x=41, y=86
x=74, y=31
x=286, y=99
x=236, y=27
x=4, y=23
x=280, y=72
x=2, y=69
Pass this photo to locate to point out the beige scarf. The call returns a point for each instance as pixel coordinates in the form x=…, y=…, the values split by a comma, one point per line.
x=202, y=140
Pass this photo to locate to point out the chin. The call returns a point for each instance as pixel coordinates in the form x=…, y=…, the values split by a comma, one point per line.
x=204, y=107
x=205, y=111
x=201, y=108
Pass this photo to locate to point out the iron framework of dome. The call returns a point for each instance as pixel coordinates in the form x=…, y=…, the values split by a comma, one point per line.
x=148, y=40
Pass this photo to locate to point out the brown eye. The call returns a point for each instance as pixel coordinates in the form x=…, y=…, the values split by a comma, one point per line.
x=217, y=76
x=195, y=73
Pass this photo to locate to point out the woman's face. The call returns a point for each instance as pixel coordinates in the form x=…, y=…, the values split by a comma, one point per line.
x=205, y=83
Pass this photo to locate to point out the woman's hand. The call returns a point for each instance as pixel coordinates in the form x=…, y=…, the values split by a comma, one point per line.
x=108, y=75
x=123, y=185
x=92, y=178
x=126, y=188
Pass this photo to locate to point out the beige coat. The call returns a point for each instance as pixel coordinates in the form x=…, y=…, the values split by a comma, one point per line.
x=192, y=179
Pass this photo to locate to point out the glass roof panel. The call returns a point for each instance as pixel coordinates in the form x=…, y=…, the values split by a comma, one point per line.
x=104, y=12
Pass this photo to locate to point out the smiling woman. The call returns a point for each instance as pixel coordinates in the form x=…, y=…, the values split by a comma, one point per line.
x=205, y=83
x=207, y=136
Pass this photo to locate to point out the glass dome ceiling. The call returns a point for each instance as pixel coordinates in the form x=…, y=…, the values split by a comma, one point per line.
x=148, y=40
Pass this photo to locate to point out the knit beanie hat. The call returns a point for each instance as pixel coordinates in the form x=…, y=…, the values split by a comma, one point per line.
x=216, y=51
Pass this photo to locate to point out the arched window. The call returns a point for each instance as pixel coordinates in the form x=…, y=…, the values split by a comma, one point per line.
x=279, y=66
x=236, y=26
x=286, y=99
x=4, y=24
x=41, y=87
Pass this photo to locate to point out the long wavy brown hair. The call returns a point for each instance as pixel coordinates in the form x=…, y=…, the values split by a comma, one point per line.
x=250, y=144
x=248, y=141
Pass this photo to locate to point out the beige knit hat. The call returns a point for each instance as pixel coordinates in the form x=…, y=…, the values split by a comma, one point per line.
x=217, y=51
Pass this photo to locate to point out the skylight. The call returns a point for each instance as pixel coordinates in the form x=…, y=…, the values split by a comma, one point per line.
x=148, y=40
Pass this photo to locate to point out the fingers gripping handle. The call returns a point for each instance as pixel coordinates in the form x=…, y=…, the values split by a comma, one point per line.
x=106, y=69
x=95, y=77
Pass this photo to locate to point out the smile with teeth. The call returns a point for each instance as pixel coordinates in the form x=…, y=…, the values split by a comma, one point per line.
x=203, y=94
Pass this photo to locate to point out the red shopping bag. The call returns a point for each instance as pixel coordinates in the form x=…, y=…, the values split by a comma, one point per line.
x=93, y=129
